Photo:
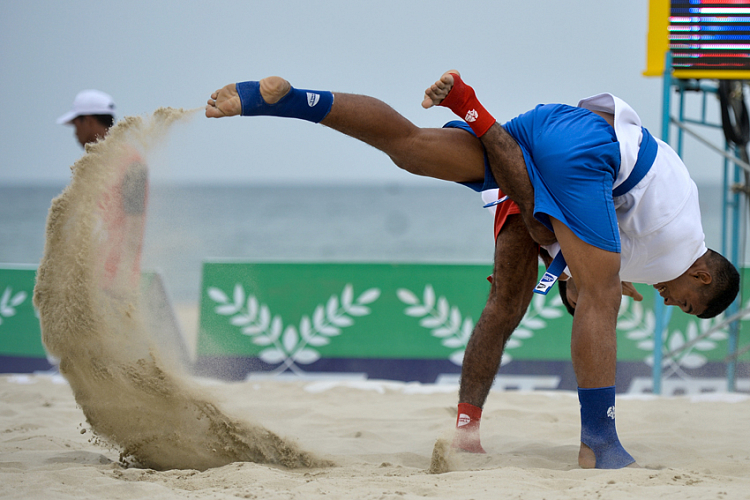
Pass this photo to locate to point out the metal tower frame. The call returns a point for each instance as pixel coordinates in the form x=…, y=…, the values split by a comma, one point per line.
x=734, y=199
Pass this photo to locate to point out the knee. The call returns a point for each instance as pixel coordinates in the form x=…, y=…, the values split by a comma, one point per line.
x=405, y=152
x=506, y=309
x=603, y=292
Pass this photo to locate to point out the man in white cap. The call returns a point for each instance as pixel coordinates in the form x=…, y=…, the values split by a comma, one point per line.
x=92, y=116
x=123, y=203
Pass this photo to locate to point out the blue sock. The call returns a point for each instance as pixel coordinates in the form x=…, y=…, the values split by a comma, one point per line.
x=310, y=105
x=598, y=430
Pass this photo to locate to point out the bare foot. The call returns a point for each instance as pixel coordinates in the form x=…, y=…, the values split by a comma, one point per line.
x=587, y=459
x=226, y=101
x=467, y=440
x=439, y=90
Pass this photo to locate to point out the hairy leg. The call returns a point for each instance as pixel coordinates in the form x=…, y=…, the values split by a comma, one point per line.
x=514, y=276
x=513, y=280
x=509, y=169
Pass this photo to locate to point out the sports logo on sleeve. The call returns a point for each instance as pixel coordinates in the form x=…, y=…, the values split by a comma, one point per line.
x=312, y=99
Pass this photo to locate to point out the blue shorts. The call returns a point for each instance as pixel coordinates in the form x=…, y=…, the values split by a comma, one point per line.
x=572, y=157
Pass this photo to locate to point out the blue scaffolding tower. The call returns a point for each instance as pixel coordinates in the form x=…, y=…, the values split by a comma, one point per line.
x=734, y=198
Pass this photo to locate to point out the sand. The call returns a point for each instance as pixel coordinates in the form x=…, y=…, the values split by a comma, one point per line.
x=380, y=437
x=94, y=320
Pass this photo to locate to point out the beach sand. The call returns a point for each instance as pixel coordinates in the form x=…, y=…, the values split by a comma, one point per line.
x=380, y=437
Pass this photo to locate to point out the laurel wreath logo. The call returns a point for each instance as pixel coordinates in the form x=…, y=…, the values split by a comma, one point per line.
x=291, y=346
x=9, y=302
x=639, y=325
x=448, y=324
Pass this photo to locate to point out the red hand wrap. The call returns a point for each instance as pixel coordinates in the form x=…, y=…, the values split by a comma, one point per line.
x=462, y=101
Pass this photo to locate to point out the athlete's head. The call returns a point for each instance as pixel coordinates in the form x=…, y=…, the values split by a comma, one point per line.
x=706, y=289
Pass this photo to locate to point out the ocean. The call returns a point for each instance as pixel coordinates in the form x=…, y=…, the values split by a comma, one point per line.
x=188, y=225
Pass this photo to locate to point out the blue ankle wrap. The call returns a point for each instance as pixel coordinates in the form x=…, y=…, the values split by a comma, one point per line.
x=310, y=105
x=598, y=430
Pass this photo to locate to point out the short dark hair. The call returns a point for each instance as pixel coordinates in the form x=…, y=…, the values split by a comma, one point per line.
x=724, y=286
x=562, y=287
x=106, y=120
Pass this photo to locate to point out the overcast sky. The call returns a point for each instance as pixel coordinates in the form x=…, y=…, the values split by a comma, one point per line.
x=148, y=54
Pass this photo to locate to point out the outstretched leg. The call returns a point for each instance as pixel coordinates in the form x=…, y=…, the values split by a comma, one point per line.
x=443, y=153
x=514, y=276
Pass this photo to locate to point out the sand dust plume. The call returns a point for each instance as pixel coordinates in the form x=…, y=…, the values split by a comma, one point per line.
x=91, y=314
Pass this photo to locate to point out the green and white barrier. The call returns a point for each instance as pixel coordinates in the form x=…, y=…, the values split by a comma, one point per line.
x=412, y=322
x=21, y=347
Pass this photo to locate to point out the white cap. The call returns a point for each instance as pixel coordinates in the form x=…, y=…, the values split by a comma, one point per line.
x=89, y=102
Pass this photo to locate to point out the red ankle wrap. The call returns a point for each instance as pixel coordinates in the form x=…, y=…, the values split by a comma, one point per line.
x=462, y=101
x=466, y=437
x=468, y=416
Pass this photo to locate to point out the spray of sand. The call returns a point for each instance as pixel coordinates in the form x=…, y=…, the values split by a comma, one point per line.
x=89, y=301
x=444, y=457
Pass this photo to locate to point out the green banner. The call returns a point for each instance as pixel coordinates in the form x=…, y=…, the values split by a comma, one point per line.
x=20, y=333
x=296, y=314
x=293, y=315
x=307, y=311
x=19, y=324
